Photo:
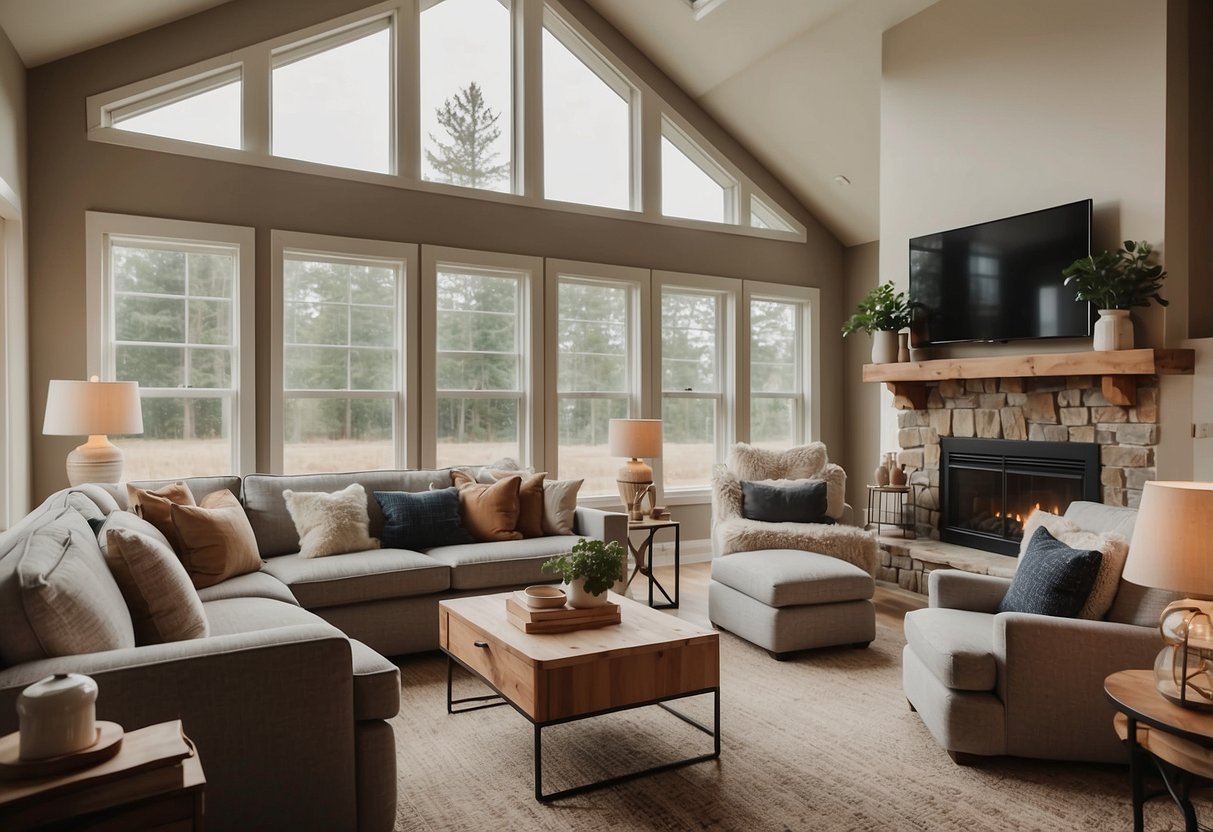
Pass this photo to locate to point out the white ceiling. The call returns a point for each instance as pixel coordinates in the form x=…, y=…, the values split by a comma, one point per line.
x=796, y=81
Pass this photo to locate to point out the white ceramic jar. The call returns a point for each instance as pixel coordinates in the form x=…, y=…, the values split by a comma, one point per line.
x=57, y=716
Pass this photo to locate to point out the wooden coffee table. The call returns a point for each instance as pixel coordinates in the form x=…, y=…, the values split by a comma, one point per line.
x=649, y=658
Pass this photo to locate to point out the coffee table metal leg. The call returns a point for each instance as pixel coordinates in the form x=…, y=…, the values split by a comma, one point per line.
x=493, y=700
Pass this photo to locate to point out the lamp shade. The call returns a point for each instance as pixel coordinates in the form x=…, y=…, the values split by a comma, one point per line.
x=636, y=438
x=1172, y=544
x=88, y=408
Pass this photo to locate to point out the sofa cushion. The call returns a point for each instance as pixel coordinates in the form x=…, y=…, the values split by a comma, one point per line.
x=57, y=597
x=250, y=585
x=957, y=646
x=785, y=501
x=1052, y=578
x=791, y=577
x=376, y=684
x=359, y=576
x=421, y=519
x=163, y=603
x=275, y=531
x=490, y=512
x=503, y=563
x=155, y=506
x=231, y=616
x=560, y=506
x=215, y=539
x=1113, y=547
x=331, y=524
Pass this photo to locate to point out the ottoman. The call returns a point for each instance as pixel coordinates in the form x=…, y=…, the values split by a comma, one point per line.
x=786, y=600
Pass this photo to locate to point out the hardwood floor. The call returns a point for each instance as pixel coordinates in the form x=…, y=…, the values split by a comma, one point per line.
x=892, y=602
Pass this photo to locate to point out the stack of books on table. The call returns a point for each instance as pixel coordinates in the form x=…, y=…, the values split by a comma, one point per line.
x=560, y=619
x=150, y=762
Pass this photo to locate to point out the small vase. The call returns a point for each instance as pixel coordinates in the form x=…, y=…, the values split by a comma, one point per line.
x=903, y=347
x=882, y=473
x=579, y=598
x=897, y=476
x=884, y=347
x=1113, y=330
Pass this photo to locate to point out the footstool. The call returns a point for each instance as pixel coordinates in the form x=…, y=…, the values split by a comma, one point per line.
x=786, y=600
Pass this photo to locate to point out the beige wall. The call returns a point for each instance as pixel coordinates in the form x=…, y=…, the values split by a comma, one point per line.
x=861, y=401
x=990, y=109
x=70, y=175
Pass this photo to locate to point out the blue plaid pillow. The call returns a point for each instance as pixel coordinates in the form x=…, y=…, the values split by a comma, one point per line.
x=421, y=519
x=1052, y=578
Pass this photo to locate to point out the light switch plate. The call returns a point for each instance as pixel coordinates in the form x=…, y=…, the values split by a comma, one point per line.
x=1202, y=430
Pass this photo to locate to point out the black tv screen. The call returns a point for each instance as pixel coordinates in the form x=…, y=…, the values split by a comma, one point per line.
x=1001, y=280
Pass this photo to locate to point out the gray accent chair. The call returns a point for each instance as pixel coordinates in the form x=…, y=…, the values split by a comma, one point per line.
x=989, y=683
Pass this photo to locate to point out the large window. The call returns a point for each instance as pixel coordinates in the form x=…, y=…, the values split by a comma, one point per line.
x=692, y=185
x=482, y=374
x=173, y=301
x=587, y=122
x=467, y=93
x=332, y=99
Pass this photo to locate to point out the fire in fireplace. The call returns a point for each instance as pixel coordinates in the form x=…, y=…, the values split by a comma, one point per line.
x=989, y=487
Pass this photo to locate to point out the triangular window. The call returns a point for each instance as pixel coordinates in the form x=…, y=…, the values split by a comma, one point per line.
x=204, y=110
x=764, y=216
x=693, y=186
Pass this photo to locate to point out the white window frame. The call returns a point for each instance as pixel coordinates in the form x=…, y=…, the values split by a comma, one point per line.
x=808, y=358
x=729, y=346
x=689, y=147
x=640, y=334
x=14, y=362
x=100, y=229
x=255, y=62
x=406, y=406
x=775, y=220
x=531, y=419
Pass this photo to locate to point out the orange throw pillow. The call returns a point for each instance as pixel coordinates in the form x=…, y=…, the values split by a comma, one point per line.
x=217, y=541
x=530, y=506
x=155, y=506
x=490, y=512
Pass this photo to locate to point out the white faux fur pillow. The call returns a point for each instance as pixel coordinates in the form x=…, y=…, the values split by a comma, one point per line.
x=1113, y=547
x=799, y=463
x=331, y=524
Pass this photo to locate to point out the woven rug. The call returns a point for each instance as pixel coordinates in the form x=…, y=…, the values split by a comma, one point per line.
x=824, y=741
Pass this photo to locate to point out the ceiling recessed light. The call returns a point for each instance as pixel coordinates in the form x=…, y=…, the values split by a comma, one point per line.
x=841, y=180
x=699, y=8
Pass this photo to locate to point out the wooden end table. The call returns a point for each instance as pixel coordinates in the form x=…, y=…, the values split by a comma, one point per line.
x=1178, y=740
x=643, y=553
x=649, y=659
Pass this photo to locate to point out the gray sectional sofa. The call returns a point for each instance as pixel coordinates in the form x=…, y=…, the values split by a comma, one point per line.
x=289, y=696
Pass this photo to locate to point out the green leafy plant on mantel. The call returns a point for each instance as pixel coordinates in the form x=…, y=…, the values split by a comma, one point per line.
x=600, y=563
x=882, y=310
x=1117, y=280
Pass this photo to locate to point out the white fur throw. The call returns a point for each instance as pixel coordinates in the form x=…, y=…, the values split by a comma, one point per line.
x=849, y=543
x=331, y=524
x=1113, y=547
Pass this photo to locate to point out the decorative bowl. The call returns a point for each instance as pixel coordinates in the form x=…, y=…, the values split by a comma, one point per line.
x=544, y=596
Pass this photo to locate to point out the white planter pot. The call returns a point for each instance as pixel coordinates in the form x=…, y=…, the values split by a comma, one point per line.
x=580, y=599
x=1113, y=330
x=884, y=347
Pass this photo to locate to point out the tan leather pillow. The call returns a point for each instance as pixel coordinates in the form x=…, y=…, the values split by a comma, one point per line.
x=490, y=512
x=216, y=539
x=163, y=603
x=530, y=505
x=155, y=506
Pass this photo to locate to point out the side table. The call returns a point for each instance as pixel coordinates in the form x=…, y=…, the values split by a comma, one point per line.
x=892, y=505
x=643, y=553
x=1179, y=741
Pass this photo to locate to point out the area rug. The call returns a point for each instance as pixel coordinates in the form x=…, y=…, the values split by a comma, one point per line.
x=824, y=741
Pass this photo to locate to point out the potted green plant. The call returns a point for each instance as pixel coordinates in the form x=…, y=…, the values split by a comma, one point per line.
x=1115, y=282
x=589, y=570
x=881, y=314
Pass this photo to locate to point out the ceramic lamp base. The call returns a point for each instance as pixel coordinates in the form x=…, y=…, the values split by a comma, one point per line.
x=97, y=460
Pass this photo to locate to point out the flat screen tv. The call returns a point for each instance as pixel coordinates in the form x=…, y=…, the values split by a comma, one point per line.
x=1001, y=280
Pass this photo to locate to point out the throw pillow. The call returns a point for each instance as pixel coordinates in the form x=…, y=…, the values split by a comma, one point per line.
x=530, y=498
x=421, y=519
x=490, y=512
x=799, y=463
x=1052, y=578
x=155, y=506
x=164, y=605
x=331, y=524
x=216, y=539
x=560, y=505
x=785, y=501
x=57, y=597
x=1114, y=548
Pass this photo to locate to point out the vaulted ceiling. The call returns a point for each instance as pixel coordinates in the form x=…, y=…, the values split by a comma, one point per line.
x=796, y=81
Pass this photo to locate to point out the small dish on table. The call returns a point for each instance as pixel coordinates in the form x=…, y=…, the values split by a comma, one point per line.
x=544, y=597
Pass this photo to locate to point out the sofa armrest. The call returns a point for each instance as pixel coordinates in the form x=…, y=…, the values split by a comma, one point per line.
x=1051, y=673
x=604, y=525
x=271, y=713
x=957, y=590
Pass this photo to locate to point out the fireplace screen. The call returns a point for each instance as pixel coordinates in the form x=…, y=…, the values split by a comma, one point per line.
x=990, y=487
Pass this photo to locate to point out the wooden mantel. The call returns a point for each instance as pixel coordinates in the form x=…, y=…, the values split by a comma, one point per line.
x=1119, y=370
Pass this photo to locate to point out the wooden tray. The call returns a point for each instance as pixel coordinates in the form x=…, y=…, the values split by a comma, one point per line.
x=561, y=619
x=12, y=767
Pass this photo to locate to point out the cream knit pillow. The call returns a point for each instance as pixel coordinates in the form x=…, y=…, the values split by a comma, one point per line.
x=1113, y=547
x=331, y=524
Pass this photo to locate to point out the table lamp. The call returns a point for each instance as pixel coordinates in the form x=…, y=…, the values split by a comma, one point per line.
x=94, y=409
x=1172, y=549
x=635, y=438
